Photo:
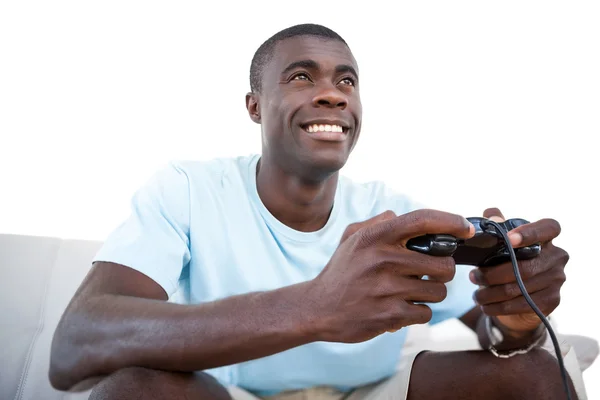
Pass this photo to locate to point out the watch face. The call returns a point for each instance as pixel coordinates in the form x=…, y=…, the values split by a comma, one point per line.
x=494, y=334
x=497, y=336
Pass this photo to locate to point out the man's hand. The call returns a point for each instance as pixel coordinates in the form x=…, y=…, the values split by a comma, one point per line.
x=499, y=295
x=372, y=282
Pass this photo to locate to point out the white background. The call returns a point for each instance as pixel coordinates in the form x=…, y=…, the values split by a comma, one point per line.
x=467, y=105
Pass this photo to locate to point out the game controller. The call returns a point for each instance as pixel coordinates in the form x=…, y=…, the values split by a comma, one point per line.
x=486, y=248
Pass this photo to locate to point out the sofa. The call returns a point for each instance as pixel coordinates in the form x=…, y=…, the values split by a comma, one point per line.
x=38, y=277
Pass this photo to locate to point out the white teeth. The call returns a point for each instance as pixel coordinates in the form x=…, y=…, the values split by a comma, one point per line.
x=324, y=128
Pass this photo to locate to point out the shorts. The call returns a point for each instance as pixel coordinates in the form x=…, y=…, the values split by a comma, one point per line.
x=393, y=388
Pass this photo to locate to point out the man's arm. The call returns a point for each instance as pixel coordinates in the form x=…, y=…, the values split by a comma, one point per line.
x=471, y=318
x=120, y=318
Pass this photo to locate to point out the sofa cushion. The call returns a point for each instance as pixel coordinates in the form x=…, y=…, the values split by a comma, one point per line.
x=39, y=275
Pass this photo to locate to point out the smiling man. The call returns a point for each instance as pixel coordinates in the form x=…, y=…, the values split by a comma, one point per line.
x=298, y=280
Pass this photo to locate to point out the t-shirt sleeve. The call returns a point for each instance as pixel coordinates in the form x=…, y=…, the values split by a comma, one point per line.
x=154, y=238
x=459, y=299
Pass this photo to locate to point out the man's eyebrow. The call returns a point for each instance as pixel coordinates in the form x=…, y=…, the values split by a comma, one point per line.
x=308, y=64
x=340, y=69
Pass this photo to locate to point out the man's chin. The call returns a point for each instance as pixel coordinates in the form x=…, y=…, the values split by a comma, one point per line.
x=321, y=166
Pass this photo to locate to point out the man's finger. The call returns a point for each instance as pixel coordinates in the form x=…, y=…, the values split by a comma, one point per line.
x=405, y=263
x=353, y=228
x=494, y=214
x=411, y=314
x=499, y=293
x=421, y=222
x=504, y=273
x=547, y=300
x=542, y=231
x=410, y=289
x=380, y=217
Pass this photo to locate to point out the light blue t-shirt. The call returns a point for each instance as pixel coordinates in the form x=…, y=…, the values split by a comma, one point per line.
x=200, y=228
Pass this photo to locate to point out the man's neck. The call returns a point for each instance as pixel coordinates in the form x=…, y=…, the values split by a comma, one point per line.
x=302, y=206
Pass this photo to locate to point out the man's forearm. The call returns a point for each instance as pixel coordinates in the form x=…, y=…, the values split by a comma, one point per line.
x=110, y=332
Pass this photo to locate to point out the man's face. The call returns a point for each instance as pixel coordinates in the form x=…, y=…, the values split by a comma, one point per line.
x=309, y=106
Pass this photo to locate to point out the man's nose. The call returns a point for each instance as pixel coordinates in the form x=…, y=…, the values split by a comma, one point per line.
x=330, y=97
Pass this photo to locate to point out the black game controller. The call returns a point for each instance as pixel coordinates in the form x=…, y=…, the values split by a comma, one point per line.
x=486, y=248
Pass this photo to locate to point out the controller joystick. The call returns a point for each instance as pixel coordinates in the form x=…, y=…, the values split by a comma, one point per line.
x=486, y=248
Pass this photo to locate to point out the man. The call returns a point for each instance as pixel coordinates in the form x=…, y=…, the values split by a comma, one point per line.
x=298, y=280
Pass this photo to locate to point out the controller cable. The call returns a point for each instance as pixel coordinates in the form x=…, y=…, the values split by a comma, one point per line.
x=485, y=225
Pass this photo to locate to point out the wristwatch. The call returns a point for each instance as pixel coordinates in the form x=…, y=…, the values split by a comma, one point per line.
x=495, y=337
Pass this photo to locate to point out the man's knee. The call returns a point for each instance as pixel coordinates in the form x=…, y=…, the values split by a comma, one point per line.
x=532, y=375
x=481, y=375
x=141, y=383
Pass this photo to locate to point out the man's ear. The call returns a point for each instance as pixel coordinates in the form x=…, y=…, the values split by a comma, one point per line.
x=253, y=107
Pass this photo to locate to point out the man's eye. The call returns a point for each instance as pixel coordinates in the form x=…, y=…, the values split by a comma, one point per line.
x=347, y=81
x=300, y=77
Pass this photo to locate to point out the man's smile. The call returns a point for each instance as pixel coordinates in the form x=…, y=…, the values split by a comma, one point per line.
x=327, y=130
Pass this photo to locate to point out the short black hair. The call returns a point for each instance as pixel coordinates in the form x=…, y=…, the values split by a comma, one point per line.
x=264, y=54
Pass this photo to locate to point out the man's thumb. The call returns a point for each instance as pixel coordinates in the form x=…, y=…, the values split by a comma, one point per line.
x=494, y=214
x=353, y=228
